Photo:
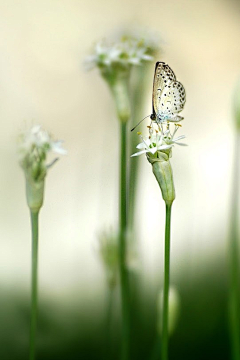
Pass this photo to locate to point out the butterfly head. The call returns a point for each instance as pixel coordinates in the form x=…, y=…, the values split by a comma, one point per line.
x=153, y=117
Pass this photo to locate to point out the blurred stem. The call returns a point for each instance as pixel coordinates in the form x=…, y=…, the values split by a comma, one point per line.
x=155, y=354
x=139, y=91
x=123, y=244
x=234, y=298
x=110, y=293
x=33, y=325
x=164, y=347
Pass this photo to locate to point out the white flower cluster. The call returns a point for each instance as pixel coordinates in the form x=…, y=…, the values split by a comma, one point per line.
x=127, y=51
x=34, y=144
x=158, y=140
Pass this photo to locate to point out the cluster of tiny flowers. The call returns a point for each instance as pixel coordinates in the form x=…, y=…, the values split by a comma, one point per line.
x=159, y=140
x=150, y=39
x=127, y=51
x=34, y=145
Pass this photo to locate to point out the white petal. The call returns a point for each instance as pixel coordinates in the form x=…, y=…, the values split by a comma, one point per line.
x=181, y=144
x=57, y=147
x=179, y=138
x=139, y=153
x=147, y=57
x=162, y=147
x=141, y=146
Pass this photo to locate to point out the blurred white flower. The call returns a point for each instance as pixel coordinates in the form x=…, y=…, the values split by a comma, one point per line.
x=127, y=51
x=33, y=146
x=38, y=138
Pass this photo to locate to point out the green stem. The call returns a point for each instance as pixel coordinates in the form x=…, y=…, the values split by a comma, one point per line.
x=122, y=244
x=138, y=94
x=108, y=347
x=166, y=283
x=34, y=224
x=234, y=298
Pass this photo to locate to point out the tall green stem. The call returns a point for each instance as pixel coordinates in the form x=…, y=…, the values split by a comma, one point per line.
x=108, y=345
x=33, y=326
x=123, y=245
x=138, y=94
x=234, y=298
x=166, y=283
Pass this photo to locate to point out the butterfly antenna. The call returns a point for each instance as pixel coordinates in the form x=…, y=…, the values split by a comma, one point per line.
x=139, y=122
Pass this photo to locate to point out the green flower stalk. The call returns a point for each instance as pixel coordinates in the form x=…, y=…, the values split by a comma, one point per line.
x=115, y=61
x=108, y=251
x=173, y=310
x=34, y=145
x=234, y=268
x=109, y=255
x=158, y=149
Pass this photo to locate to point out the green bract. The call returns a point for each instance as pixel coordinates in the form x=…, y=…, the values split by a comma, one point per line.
x=162, y=170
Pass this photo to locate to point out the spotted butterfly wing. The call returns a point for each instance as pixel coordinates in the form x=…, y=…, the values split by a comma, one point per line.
x=168, y=96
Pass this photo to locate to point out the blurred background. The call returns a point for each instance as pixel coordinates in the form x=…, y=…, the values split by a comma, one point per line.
x=43, y=45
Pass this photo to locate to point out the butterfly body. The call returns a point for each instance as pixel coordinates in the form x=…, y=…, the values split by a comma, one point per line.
x=168, y=96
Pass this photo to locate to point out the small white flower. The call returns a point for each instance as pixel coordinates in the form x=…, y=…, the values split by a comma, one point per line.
x=159, y=140
x=152, y=144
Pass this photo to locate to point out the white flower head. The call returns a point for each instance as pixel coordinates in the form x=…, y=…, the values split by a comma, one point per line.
x=159, y=140
x=124, y=52
x=152, y=144
x=151, y=40
x=34, y=145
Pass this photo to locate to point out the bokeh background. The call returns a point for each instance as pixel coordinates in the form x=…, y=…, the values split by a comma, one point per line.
x=43, y=45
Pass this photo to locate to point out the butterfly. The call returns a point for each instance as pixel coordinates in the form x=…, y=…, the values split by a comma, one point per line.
x=168, y=97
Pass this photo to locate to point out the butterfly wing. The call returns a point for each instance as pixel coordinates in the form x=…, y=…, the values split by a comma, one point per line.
x=169, y=94
x=163, y=77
